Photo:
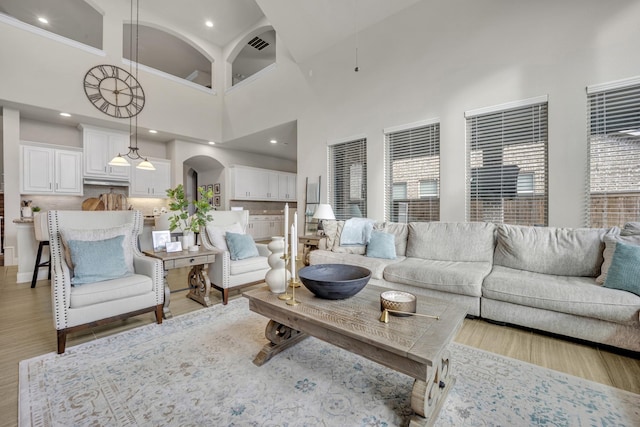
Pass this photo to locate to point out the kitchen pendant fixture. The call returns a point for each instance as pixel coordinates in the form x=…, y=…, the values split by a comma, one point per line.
x=133, y=154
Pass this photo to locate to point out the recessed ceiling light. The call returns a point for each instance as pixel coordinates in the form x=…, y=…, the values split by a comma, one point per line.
x=65, y=114
x=212, y=143
x=153, y=131
x=273, y=141
x=209, y=24
x=43, y=20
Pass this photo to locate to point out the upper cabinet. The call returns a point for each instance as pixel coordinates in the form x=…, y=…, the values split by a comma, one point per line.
x=145, y=183
x=100, y=146
x=249, y=183
x=50, y=170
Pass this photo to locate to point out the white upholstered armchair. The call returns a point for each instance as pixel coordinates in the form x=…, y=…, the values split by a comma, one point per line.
x=226, y=273
x=98, y=273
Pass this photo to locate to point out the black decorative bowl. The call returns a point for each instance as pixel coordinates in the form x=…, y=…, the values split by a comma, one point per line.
x=334, y=281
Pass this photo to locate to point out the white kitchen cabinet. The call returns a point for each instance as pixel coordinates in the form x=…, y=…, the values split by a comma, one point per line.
x=50, y=170
x=100, y=146
x=263, y=227
x=287, y=186
x=145, y=183
x=261, y=184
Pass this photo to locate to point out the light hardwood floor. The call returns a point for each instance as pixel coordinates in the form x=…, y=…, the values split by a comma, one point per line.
x=26, y=330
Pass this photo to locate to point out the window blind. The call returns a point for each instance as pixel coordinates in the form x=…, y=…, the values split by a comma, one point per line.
x=614, y=154
x=507, y=165
x=412, y=160
x=348, y=179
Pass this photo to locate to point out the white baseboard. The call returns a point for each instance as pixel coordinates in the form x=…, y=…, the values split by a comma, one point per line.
x=9, y=256
x=26, y=276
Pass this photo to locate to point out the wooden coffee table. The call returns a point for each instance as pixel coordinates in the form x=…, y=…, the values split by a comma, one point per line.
x=416, y=346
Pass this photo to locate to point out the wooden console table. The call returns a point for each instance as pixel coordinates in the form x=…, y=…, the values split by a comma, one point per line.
x=199, y=283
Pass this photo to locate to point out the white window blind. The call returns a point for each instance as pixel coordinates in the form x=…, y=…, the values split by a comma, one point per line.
x=348, y=179
x=413, y=158
x=507, y=165
x=614, y=154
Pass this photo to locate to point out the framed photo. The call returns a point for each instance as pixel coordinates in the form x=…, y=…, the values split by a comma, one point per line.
x=174, y=247
x=210, y=188
x=160, y=240
x=216, y=201
x=216, y=188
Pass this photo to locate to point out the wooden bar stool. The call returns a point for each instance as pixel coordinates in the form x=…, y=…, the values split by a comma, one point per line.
x=41, y=230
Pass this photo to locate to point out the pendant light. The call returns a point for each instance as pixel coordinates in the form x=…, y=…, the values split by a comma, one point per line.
x=133, y=154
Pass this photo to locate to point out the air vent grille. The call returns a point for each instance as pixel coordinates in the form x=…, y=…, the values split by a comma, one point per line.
x=258, y=43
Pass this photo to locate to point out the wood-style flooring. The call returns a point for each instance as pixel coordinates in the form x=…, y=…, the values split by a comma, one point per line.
x=26, y=330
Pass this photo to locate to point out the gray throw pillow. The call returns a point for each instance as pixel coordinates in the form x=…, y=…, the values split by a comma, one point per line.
x=381, y=245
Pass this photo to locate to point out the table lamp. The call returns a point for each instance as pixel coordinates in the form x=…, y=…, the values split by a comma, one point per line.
x=323, y=211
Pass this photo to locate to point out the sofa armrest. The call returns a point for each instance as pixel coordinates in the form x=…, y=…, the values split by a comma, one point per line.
x=60, y=292
x=219, y=269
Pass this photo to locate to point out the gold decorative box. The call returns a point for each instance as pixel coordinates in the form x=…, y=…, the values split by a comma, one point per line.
x=395, y=301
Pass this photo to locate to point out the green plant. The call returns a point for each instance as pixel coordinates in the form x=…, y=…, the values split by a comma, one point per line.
x=180, y=205
x=35, y=209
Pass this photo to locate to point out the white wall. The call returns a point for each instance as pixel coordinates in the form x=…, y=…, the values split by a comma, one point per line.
x=441, y=58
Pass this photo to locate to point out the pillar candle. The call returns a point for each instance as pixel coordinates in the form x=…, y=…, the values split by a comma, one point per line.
x=286, y=227
x=293, y=253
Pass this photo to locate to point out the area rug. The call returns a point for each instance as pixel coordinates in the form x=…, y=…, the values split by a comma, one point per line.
x=197, y=370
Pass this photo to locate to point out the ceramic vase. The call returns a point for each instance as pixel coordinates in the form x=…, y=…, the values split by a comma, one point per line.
x=277, y=277
x=188, y=239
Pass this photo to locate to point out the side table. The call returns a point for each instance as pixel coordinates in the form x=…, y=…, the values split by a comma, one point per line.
x=309, y=243
x=199, y=283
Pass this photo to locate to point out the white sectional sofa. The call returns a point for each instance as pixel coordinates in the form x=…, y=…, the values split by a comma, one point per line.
x=543, y=278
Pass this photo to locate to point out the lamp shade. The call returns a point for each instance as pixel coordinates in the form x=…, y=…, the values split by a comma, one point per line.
x=324, y=211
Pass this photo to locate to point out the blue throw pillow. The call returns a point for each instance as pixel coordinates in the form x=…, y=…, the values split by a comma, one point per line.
x=241, y=246
x=98, y=260
x=624, y=273
x=381, y=245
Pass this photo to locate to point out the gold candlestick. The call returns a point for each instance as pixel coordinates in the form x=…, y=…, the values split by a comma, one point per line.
x=285, y=296
x=294, y=284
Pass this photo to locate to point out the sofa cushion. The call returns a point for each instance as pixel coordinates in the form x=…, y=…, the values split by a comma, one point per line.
x=98, y=260
x=376, y=265
x=110, y=290
x=456, y=277
x=248, y=265
x=401, y=233
x=565, y=294
x=549, y=250
x=241, y=246
x=610, y=241
x=217, y=234
x=455, y=241
x=381, y=245
x=624, y=273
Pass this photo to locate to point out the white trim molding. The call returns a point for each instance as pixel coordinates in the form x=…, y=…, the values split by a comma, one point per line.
x=616, y=84
x=414, y=125
x=168, y=76
x=507, y=106
x=346, y=139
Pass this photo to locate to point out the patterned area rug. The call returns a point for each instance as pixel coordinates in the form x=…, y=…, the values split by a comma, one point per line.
x=197, y=370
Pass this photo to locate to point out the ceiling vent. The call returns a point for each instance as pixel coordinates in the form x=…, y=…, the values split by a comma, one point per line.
x=258, y=43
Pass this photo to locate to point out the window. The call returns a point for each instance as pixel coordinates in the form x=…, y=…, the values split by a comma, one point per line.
x=412, y=159
x=348, y=178
x=507, y=163
x=614, y=153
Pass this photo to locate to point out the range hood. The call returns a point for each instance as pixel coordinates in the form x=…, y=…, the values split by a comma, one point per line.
x=105, y=182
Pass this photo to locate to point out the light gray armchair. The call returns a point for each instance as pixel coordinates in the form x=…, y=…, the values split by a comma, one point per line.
x=110, y=237
x=226, y=273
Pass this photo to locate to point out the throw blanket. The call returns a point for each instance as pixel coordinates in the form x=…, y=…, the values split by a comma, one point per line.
x=356, y=231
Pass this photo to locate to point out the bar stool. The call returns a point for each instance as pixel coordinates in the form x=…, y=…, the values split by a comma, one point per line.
x=41, y=229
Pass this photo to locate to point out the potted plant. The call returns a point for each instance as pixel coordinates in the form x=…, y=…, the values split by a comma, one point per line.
x=189, y=224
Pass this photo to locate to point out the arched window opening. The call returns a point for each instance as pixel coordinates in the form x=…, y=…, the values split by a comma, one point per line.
x=166, y=52
x=259, y=53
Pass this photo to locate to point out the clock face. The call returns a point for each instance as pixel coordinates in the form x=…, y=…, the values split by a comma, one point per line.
x=114, y=91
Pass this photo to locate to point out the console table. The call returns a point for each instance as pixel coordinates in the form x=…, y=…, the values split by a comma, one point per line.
x=199, y=283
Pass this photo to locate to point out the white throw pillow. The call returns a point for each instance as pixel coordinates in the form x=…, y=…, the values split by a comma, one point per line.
x=217, y=234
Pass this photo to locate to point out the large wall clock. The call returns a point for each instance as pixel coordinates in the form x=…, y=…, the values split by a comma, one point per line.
x=114, y=91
